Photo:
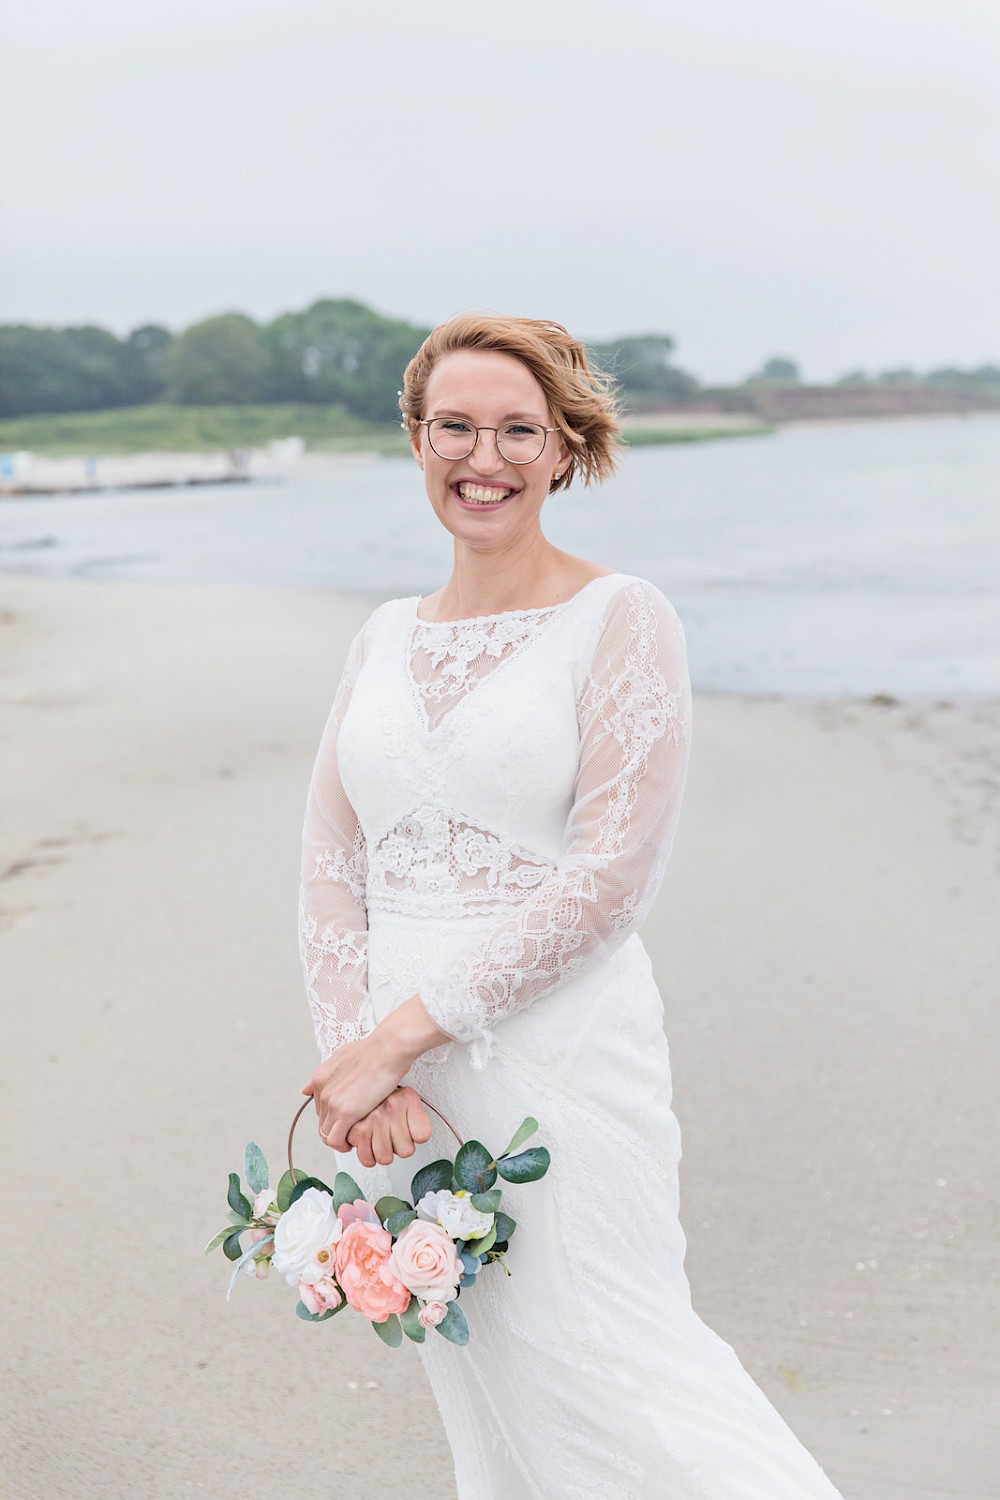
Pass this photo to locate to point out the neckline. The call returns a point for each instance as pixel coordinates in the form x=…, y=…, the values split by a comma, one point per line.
x=504, y=614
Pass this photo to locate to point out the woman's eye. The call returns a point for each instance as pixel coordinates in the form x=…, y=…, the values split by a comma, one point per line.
x=520, y=429
x=455, y=427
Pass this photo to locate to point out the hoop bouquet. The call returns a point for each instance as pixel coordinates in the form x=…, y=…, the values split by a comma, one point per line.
x=402, y=1265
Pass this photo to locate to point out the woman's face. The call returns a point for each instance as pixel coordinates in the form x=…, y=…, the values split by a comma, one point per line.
x=487, y=389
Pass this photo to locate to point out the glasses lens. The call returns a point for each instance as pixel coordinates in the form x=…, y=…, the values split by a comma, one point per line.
x=450, y=437
x=520, y=442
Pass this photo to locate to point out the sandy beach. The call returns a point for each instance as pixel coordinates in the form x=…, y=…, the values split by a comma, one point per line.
x=827, y=946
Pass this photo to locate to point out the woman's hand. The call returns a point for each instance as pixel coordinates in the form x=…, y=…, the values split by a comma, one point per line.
x=351, y=1083
x=391, y=1129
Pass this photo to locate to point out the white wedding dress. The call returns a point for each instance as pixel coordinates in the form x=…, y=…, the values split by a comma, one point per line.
x=489, y=819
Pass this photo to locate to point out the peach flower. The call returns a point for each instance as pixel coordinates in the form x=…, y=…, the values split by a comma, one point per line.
x=425, y=1259
x=322, y=1295
x=360, y=1209
x=361, y=1262
x=432, y=1313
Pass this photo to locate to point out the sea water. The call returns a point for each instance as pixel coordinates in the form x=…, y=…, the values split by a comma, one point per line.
x=824, y=559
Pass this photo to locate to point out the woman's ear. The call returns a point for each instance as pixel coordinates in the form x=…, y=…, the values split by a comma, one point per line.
x=415, y=445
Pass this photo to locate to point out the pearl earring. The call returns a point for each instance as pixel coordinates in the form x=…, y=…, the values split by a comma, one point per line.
x=555, y=477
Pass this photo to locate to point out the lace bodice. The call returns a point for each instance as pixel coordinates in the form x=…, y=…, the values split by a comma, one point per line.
x=526, y=767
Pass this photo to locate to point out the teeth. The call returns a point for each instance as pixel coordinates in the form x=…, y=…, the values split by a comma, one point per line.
x=478, y=495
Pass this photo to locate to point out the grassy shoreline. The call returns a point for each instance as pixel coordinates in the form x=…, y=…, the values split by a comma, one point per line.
x=324, y=429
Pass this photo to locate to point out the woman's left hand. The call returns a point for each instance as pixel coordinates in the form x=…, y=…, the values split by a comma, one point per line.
x=350, y=1084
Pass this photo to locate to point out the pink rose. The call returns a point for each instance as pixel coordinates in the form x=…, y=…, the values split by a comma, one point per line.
x=358, y=1211
x=361, y=1261
x=431, y=1314
x=321, y=1296
x=425, y=1260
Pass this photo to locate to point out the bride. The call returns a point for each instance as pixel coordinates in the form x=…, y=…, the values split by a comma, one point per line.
x=490, y=814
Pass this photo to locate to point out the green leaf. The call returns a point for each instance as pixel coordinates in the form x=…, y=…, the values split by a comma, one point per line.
x=390, y=1331
x=430, y=1179
x=231, y=1247
x=301, y=1311
x=250, y=1252
x=301, y=1186
x=223, y=1234
x=255, y=1167
x=236, y=1200
x=487, y=1203
x=285, y=1186
x=486, y=1243
x=410, y=1321
x=453, y=1325
x=469, y=1261
x=524, y=1131
x=474, y=1167
x=395, y=1223
x=239, y=1219
x=345, y=1190
x=504, y=1226
x=390, y=1205
x=527, y=1167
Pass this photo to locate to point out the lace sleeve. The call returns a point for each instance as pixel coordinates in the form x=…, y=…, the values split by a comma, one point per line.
x=635, y=729
x=333, y=919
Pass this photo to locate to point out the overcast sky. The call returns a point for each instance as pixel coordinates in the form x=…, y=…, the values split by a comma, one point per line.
x=819, y=178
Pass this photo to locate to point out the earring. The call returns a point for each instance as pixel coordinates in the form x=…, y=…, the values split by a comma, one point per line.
x=555, y=477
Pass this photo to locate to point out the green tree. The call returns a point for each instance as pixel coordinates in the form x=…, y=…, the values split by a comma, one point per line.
x=779, y=370
x=222, y=360
x=144, y=363
x=340, y=351
x=642, y=365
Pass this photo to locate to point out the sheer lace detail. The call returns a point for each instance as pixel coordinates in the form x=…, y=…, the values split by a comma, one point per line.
x=435, y=863
x=634, y=716
x=449, y=658
x=333, y=918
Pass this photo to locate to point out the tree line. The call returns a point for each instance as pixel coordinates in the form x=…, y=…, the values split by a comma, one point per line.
x=334, y=352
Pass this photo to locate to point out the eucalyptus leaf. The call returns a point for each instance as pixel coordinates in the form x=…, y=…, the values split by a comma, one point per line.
x=217, y=1239
x=410, y=1321
x=527, y=1167
x=487, y=1242
x=231, y=1247
x=390, y=1331
x=487, y=1203
x=255, y=1167
x=301, y=1186
x=301, y=1311
x=524, y=1132
x=430, y=1179
x=469, y=1261
x=390, y=1205
x=345, y=1190
x=468, y=1278
x=505, y=1226
x=235, y=1218
x=247, y=1254
x=285, y=1187
x=237, y=1202
x=475, y=1168
x=396, y=1223
x=453, y=1325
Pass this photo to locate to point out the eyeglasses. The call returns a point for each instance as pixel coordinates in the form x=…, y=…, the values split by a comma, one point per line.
x=517, y=442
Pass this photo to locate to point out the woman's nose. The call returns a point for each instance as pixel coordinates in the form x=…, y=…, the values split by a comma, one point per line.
x=486, y=455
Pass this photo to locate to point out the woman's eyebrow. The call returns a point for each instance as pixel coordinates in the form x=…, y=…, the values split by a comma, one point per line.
x=452, y=411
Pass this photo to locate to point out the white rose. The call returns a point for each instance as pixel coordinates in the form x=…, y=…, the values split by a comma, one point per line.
x=302, y=1230
x=456, y=1213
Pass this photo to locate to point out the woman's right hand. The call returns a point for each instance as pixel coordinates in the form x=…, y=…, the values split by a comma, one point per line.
x=393, y=1128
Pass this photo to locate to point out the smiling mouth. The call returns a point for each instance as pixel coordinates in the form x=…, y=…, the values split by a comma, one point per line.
x=481, y=494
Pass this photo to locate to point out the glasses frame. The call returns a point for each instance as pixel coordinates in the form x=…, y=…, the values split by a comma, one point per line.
x=426, y=422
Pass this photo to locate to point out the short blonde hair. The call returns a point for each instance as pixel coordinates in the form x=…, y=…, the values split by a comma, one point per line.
x=583, y=399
